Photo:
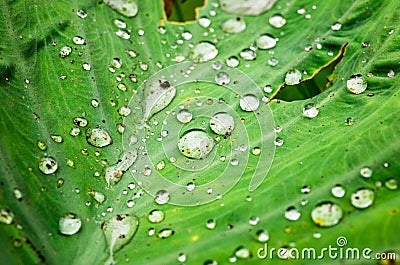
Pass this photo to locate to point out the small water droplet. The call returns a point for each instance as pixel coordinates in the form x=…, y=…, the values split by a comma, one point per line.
x=98, y=137
x=277, y=21
x=306, y=189
x=356, y=84
x=338, y=191
x=256, y=151
x=69, y=224
x=292, y=214
x=162, y=197
x=78, y=40
x=248, y=54
x=211, y=223
x=310, y=111
x=156, y=216
x=366, y=172
x=327, y=214
x=81, y=13
x=362, y=198
x=249, y=103
x=232, y=61
x=234, y=25
x=127, y=8
x=278, y=141
x=86, y=66
x=336, y=26
x=203, y=51
x=266, y=41
x=243, y=253
x=349, y=121
x=65, y=51
x=222, y=123
x=165, y=233
x=182, y=257
x=391, y=184
x=42, y=146
x=391, y=73
x=204, y=22
x=123, y=34
x=48, y=165
x=293, y=77
x=6, y=216
x=17, y=194
x=222, y=78
x=98, y=196
x=190, y=186
x=278, y=129
x=195, y=144
x=184, y=116
x=254, y=220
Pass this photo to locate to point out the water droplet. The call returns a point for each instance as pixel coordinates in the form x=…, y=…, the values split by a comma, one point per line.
x=278, y=141
x=310, y=111
x=267, y=89
x=42, y=146
x=293, y=77
x=336, y=26
x=366, y=172
x=6, y=216
x=338, y=191
x=256, y=151
x=124, y=111
x=292, y=214
x=203, y=51
x=356, y=84
x=195, y=144
x=65, y=51
x=162, y=197
x=75, y=131
x=254, y=220
x=266, y=41
x=17, y=194
x=98, y=137
x=130, y=203
x=81, y=13
x=278, y=129
x=119, y=23
x=123, y=34
x=156, y=216
x=277, y=21
x=86, y=66
x=204, y=22
x=262, y=236
x=78, y=40
x=48, y=165
x=57, y=138
x=69, y=224
x=190, y=186
x=362, y=198
x=160, y=165
x=94, y=103
x=327, y=214
x=186, y=35
x=391, y=184
x=248, y=54
x=184, y=116
x=81, y=122
x=243, y=253
x=127, y=8
x=211, y=223
x=232, y=61
x=349, y=121
x=98, y=196
x=246, y=7
x=119, y=231
x=165, y=233
x=181, y=257
x=222, y=124
x=306, y=189
x=249, y=103
x=234, y=25
x=391, y=73
x=222, y=78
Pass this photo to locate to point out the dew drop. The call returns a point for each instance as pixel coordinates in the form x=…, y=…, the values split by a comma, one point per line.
x=292, y=214
x=234, y=25
x=277, y=21
x=182, y=257
x=78, y=40
x=305, y=189
x=65, y=51
x=86, y=66
x=6, y=216
x=293, y=77
x=338, y=191
x=81, y=13
x=310, y=111
x=278, y=141
x=119, y=23
x=249, y=103
x=165, y=233
x=349, y=121
x=356, y=84
x=205, y=22
x=232, y=61
x=48, y=165
x=69, y=224
x=256, y=151
x=186, y=35
x=75, y=131
x=123, y=34
x=190, y=186
x=222, y=124
x=336, y=26
x=254, y=220
x=127, y=8
x=248, y=54
x=162, y=197
x=203, y=51
x=265, y=41
x=327, y=214
x=81, y=122
x=362, y=198
x=262, y=236
x=391, y=184
x=56, y=138
x=42, y=146
x=366, y=172
x=98, y=137
x=211, y=223
x=391, y=73
x=156, y=216
x=195, y=144
x=184, y=116
x=222, y=78
x=243, y=253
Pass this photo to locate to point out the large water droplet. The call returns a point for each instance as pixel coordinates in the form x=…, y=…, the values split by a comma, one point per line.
x=69, y=224
x=310, y=111
x=156, y=216
x=98, y=137
x=249, y=102
x=234, y=25
x=48, y=165
x=362, y=198
x=195, y=144
x=356, y=84
x=222, y=123
x=327, y=214
x=338, y=191
x=119, y=231
x=203, y=51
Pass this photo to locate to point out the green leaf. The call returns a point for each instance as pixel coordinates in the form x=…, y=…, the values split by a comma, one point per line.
x=42, y=94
